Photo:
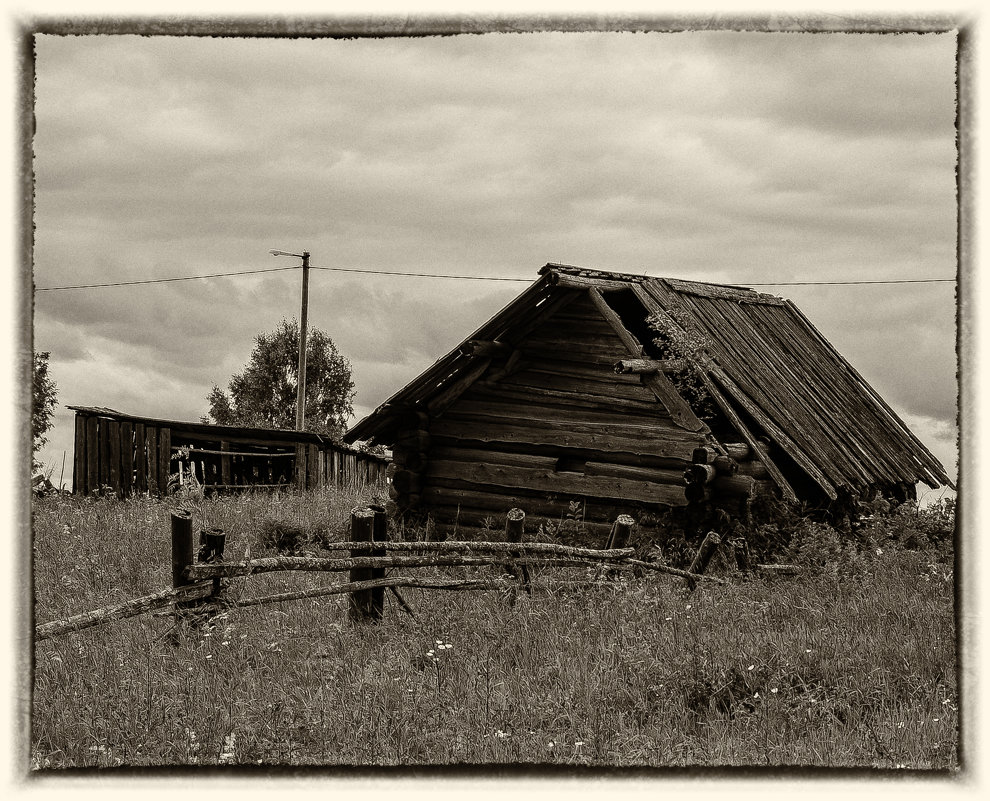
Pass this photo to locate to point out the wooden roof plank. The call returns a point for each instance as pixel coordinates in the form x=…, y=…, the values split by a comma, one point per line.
x=776, y=391
x=750, y=394
x=880, y=453
x=931, y=461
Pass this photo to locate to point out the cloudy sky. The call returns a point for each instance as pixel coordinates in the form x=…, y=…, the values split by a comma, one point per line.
x=745, y=158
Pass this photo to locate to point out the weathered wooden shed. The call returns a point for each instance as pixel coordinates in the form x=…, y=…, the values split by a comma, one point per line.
x=596, y=393
x=131, y=455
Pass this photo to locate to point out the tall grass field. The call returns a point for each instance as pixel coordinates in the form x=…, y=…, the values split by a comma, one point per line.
x=851, y=663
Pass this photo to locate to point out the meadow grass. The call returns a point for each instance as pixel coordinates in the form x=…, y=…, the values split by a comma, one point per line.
x=852, y=664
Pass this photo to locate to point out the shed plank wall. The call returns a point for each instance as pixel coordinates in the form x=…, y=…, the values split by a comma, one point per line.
x=132, y=456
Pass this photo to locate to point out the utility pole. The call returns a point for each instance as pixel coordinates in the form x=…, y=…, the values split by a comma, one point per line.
x=301, y=383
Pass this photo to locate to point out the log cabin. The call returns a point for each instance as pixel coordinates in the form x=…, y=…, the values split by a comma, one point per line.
x=594, y=394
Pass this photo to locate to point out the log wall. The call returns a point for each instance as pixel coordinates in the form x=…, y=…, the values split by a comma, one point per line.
x=559, y=427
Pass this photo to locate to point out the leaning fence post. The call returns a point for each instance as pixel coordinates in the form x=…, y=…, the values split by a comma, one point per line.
x=363, y=604
x=515, y=523
x=705, y=553
x=182, y=556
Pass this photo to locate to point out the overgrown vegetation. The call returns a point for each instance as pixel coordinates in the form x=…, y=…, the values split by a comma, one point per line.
x=678, y=339
x=44, y=396
x=850, y=664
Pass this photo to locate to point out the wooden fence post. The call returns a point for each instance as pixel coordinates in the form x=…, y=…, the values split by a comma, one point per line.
x=379, y=534
x=705, y=553
x=619, y=536
x=362, y=605
x=515, y=523
x=182, y=557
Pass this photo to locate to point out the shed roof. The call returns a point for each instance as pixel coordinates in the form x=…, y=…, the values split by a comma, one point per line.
x=275, y=436
x=767, y=365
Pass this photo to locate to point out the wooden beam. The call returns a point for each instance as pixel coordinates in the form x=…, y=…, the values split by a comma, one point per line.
x=515, y=478
x=679, y=410
x=486, y=348
x=568, y=281
x=643, y=366
x=457, y=387
x=786, y=489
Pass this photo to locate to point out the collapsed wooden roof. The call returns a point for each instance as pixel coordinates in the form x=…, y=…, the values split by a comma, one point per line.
x=768, y=369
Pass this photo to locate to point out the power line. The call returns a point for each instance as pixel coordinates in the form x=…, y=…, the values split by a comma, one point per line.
x=854, y=283
x=161, y=280
x=423, y=275
x=457, y=277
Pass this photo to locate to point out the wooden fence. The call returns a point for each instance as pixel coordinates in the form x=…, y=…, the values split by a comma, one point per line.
x=129, y=455
x=200, y=576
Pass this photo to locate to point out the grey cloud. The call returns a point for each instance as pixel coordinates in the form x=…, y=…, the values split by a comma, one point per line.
x=727, y=158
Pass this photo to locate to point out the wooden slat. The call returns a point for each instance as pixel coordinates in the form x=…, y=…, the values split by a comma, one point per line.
x=92, y=455
x=441, y=493
x=533, y=353
x=589, y=346
x=225, y=463
x=299, y=476
x=512, y=477
x=140, y=459
x=312, y=467
x=779, y=392
x=113, y=473
x=151, y=457
x=571, y=281
x=164, y=458
x=126, y=458
x=880, y=439
x=79, y=456
x=104, y=445
x=679, y=410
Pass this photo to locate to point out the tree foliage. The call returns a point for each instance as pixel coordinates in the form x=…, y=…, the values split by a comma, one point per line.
x=679, y=339
x=43, y=400
x=264, y=394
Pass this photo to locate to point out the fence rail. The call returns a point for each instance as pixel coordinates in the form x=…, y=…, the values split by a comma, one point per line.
x=200, y=576
x=128, y=455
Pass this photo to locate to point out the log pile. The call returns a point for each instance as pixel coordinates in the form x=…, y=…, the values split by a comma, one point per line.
x=726, y=481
